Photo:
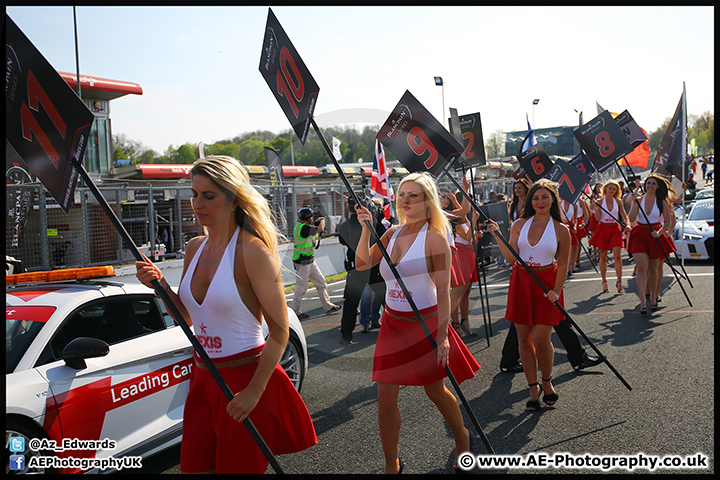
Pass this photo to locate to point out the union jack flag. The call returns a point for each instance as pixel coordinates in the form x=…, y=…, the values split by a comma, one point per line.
x=380, y=185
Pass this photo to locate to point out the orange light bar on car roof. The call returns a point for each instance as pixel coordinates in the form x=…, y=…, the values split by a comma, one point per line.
x=59, y=275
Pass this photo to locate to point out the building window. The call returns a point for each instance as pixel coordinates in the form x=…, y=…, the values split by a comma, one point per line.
x=96, y=153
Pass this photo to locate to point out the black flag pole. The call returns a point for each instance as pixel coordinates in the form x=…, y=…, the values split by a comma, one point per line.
x=574, y=234
x=665, y=255
x=165, y=296
x=682, y=267
x=404, y=289
x=544, y=289
x=474, y=246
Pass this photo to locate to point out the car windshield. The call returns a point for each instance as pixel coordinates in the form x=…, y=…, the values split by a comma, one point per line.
x=19, y=334
x=703, y=211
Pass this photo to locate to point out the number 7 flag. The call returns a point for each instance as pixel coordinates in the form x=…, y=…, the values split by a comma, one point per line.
x=45, y=121
x=570, y=179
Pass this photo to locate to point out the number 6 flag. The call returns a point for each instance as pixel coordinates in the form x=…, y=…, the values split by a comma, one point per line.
x=536, y=162
x=45, y=121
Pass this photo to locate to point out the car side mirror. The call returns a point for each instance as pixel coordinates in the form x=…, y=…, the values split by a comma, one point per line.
x=75, y=352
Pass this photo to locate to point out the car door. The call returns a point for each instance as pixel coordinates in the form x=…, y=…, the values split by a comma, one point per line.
x=133, y=396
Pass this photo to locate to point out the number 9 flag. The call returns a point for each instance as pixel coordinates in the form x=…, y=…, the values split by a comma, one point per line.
x=417, y=139
x=46, y=123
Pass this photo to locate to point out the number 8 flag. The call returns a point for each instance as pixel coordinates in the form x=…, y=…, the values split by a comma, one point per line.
x=380, y=184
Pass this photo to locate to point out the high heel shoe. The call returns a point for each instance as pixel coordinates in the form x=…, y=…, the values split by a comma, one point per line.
x=402, y=465
x=456, y=467
x=605, y=287
x=533, y=405
x=456, y=326
x=549, y=398
x=465, y=327
x=643, y=310
x=653, y=307
x=619, y=286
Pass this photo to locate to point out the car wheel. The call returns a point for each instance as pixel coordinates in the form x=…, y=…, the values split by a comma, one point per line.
x=25, y=429
x=292, y=361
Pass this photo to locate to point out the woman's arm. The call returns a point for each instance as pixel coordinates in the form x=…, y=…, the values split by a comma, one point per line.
x=265, y=280
x=563, y=259
x=439, y=258
x=366, y=257
x=147, y=271
x=515, y=228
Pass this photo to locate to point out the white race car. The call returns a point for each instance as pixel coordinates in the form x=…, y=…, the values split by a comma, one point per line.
x=99, y=362
x=698, y=236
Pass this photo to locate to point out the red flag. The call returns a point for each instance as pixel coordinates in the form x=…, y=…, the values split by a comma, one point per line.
x=380, y=184
x=639, y=157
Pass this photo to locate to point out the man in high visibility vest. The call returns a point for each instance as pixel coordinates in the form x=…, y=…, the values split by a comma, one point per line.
x=304, y=262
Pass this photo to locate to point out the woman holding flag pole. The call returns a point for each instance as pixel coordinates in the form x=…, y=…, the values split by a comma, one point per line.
x=609, y=234
x=643, y=242
x=419, y=249
x=539, y=237
x=230, y=283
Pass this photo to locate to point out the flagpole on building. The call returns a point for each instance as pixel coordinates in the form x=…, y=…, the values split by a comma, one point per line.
x=77, y=54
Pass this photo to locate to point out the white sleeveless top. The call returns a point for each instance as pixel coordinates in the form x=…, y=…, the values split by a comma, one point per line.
x=413, y=271
x=458, y=239
x=223, y=324
x=654, y=215
x=543, y=253
x=570, y=211
x=614, y=210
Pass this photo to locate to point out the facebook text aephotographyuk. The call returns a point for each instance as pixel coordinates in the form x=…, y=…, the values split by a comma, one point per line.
x=52, y=462
x=468, y=461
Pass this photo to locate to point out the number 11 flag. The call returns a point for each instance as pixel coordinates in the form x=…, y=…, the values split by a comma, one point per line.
x=380, y=184
x=45, y=121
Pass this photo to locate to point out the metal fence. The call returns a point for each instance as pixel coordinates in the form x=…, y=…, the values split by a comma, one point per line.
x=159, y=219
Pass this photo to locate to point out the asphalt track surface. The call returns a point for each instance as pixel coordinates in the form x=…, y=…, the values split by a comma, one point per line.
x=667, y=357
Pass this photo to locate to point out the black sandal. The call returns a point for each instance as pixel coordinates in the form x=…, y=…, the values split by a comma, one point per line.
x=465, y=327
x=533, y=405
x=549, y=398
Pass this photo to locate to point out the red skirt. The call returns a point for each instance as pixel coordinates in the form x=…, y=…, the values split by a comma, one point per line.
x=607, y=236
x=213, y=440
x=592, y=224
x=581, y=228
x=468, y=266
x=456, y=275
x=404, y=355
x=573, y=236
x=642, y=241
x=527, y=304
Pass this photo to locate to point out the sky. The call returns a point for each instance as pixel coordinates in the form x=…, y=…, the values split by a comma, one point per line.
x=199, y=66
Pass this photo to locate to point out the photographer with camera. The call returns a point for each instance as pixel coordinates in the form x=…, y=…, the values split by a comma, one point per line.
x=349, y=235
x=304, y=235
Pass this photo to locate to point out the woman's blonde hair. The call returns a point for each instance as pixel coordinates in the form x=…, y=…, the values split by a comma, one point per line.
x=253, y=212
x=618, y=192
x=434, y=212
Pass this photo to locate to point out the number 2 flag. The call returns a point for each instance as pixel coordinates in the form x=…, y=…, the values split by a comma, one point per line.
x=45, y=121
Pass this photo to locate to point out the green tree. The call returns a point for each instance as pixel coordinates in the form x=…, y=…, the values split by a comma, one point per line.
x=495, y=145
x=252, y=152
